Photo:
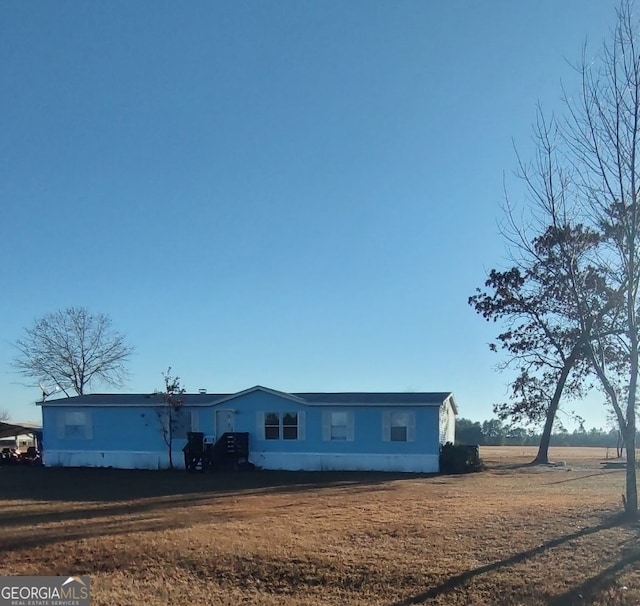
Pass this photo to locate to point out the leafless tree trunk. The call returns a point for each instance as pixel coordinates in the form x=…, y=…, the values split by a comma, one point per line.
x=542, y=457
x=172, y=403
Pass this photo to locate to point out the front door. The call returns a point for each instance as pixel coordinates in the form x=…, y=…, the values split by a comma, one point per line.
x=224, y=422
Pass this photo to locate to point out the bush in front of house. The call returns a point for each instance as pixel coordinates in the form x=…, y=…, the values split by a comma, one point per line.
x=460, y=458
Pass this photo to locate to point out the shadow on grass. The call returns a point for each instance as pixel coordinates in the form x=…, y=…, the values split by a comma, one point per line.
x=135, y=522
x=498, y=467
x=455, y=582
x=25, y=517
x=591, y=475
x=599, y=583
x=109, y=502
x=100, y=485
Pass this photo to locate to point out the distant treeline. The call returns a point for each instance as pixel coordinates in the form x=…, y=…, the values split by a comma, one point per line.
x=494, y=433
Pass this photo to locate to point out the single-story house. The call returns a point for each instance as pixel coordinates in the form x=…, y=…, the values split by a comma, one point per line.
x=289, y=431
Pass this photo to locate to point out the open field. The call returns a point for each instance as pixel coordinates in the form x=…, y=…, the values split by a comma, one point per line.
x=511, y=535
x=580, y=457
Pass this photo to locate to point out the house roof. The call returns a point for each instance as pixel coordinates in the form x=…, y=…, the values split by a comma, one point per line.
x=358, y=398
x=132, y=399
x=376, y=397
x=282, y=394
x=379, y=398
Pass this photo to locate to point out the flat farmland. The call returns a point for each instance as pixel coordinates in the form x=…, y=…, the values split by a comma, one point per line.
x=516, y=455
x=510, y=535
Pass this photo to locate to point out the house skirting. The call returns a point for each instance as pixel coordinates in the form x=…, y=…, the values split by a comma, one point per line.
x=319, y=461
x=308, y=461
x=113, y=458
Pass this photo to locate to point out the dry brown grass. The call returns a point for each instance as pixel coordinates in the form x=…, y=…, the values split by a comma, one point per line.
x=511, y=535
x=582, y=457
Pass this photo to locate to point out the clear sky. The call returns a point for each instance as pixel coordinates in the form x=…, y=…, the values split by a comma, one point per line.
x=295, y=194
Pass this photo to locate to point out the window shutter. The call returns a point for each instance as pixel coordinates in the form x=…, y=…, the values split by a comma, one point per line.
x=326, y=425
x=411, y=427
x=194, y=420
x=350, y=428
x=60, y=423
x=301, y=425
x=260, y=425
x=386, y=426
x=88, y=426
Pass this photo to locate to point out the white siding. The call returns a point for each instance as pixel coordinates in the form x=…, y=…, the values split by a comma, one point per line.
x=117, y=459
x=447, y=423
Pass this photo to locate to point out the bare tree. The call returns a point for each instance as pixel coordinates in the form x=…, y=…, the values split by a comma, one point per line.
x=73, y=348
x=169, y=414
x=537, y=298
x=602, y=137
x=4, y=415
x=582, y=291
x=600, y=157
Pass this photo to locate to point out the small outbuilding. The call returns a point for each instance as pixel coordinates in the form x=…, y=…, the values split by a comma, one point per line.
x=364, y=431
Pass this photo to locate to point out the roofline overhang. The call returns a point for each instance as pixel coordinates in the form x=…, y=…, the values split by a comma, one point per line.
x=206, y=403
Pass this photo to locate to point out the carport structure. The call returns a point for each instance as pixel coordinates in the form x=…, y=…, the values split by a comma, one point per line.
x=10, y=430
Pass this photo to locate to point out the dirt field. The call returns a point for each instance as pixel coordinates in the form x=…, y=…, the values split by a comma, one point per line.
x=511, y=535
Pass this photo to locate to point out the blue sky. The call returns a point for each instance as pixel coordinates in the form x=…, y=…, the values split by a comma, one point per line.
x=295, y=194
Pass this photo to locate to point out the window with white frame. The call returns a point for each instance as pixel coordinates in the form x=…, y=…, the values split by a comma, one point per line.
x=272, y=426
x=281, y=425
x=337, y=425
x=398, y=426
x=75, y=425
x=290, y=425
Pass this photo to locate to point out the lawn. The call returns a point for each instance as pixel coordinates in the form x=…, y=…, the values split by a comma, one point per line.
x=510, y=535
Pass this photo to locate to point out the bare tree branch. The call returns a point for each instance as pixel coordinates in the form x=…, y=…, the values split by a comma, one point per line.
x=73, y=348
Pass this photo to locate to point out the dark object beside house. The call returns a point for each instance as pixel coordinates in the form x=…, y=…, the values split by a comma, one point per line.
x=9, y=456
x=194, y=451
x=31, y=457
x=230, y=451
x=460, y=458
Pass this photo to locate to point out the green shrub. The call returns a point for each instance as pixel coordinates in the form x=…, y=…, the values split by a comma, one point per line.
x=460, y=458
